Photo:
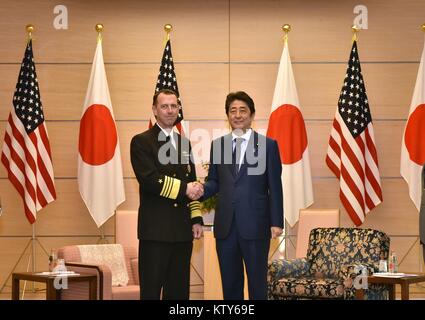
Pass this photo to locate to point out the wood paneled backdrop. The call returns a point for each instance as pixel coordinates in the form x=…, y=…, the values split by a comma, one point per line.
x=218, y=46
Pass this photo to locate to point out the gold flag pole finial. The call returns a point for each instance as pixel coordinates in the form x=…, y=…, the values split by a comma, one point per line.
x=99, y=29
x=423, y=27
x=168, y=28
x=286, y=28
x=356, y=30
x=29, y=28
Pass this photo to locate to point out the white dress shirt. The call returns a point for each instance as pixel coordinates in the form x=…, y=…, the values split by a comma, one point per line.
x=168, y=134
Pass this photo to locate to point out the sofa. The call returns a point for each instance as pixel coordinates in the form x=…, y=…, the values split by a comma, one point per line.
x=336, y=257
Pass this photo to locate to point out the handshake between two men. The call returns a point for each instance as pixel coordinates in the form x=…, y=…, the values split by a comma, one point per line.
x=194, y=190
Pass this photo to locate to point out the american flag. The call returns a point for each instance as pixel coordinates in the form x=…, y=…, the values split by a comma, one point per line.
x=167, y=80
x=26, y=148
x=352, y=153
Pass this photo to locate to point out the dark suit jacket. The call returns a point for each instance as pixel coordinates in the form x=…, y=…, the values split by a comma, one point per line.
x=253, y=196
x=165, y=213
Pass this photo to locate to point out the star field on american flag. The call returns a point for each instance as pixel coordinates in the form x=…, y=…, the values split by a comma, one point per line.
x=167, y=77
x=26, y=99
x=353, y=105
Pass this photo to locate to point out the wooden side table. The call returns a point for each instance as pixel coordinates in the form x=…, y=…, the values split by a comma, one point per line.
x=51, y=292
x=403, y=281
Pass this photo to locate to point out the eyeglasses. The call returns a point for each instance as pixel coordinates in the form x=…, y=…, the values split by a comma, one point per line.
x=169, y=106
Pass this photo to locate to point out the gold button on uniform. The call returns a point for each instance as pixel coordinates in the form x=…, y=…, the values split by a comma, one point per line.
x=175, y=205
x=174, y=175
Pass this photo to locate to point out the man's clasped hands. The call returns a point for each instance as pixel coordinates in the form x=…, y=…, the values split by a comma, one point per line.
x=195, y=190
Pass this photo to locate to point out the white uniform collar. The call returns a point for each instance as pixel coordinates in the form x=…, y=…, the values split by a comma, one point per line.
x=170, y=134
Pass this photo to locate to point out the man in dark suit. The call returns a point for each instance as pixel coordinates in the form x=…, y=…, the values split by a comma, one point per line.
x=245, y=170
x=168, y=219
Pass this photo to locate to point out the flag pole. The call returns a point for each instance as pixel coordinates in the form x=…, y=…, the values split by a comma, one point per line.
x=421, y=254
x=356, y=30
x=167, y=28
x=30, y=29
x=286, y=28
x=33, y=240
x=355, y=37
x=99, y=29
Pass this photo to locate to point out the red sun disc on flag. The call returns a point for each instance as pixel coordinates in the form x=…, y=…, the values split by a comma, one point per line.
x=286, y=125
x=98, y=135
x=414, y=135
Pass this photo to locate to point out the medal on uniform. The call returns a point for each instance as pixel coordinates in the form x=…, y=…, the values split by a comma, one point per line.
x=189, y=169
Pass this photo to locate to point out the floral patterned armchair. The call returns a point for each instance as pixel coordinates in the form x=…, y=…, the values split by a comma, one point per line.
x=332, y=264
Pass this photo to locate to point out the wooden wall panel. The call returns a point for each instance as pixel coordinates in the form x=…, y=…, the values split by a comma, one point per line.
x=321, y=30
x=389, y=86
x=68, y=215
x=396, y=215
x=63, y=89
x=65, y=216
x=133, y=30
x=409, y=253
x=217, y=46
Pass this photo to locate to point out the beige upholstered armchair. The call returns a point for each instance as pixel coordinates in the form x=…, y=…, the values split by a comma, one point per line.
x=117, y=280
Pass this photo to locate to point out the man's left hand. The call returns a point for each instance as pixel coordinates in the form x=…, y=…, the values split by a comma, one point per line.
x=197, y=231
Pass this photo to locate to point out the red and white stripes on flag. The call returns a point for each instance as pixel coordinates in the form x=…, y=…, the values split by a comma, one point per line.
x=26, y=149
x=287, y=127
x=352, y=155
